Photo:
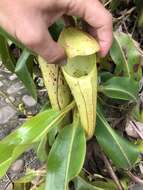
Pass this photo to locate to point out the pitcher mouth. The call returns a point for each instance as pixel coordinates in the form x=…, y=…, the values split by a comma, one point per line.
x=80, y=66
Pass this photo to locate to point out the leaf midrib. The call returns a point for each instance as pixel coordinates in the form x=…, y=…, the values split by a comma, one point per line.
x=125, y=61
x=120, y=147
x=68, y=160
x=117, y=90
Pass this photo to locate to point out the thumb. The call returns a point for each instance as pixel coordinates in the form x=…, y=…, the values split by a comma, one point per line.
x=49, y=49
x=98, y=19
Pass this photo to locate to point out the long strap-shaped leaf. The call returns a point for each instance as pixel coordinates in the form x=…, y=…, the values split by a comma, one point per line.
x=119, y=57
x=121, y=88
x=14, y=40
x=120, y=151
x=66, y=157
x=30, y=132
x=81, y=183
x=22, y=71
x=126, y=56
x=7, y=59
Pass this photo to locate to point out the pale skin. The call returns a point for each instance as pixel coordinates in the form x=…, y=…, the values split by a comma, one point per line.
x=28, y=21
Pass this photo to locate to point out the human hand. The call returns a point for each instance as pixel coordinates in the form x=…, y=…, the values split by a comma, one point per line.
x=28, y=21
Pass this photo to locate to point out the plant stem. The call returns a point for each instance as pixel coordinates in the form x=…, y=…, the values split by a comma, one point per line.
x=111, y=171
x=68, y=108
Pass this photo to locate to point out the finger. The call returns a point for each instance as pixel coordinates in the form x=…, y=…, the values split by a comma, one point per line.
x=40, y=41
x=99, y=19
x=49, y=49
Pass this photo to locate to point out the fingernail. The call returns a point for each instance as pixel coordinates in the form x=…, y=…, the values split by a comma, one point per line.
x=104, y=49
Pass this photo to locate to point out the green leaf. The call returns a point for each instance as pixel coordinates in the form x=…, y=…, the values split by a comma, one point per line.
x=118, y=57
x=105, y=76
x=40, y=149
x=19, y=186
x=18, y=141
x=137, y=113
x=41, y=187
x=114, y=5
x=122, y=152
x=139, y=6
x=82, y=184
x=66, y=157
x=52, y=134
x=56, y=29
x=29, y=133
x=6, y=57
x=126, y=56
x=139, y=143
x=22, y=72
x=121, y=88
x=14, y=40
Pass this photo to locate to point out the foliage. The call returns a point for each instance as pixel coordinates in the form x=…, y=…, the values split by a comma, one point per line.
x=75, y=109
x=111, y=142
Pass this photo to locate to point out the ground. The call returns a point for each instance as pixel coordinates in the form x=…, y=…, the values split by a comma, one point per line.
x=14, y=102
